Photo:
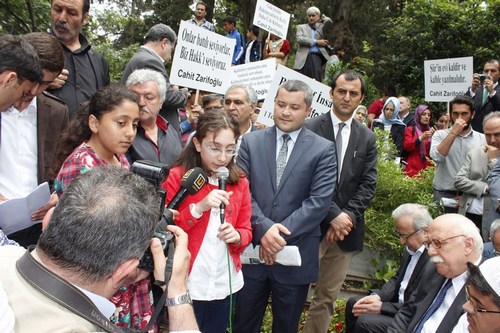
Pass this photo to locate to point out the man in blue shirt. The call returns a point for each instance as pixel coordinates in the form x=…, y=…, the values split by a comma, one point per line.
x=230, y=27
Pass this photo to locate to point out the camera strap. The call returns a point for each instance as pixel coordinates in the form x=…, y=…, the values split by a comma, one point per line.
x=71, y=298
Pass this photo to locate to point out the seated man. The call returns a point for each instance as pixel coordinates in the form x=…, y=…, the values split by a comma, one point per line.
x=374, y=313
x=483, y=299
x=436, y=306
x=156, y=139
x=97, y=233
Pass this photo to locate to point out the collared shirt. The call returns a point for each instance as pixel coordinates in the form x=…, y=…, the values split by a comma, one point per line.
x=435, y=320
x=208, y=279
x=248, y=51
x=19, y=152
x=291, y=143
x=204, y=24
x=238, y=142
x=314, y=48
x=106, y=307
x=473, y=93
x=346, y=134
x=448, y=166
x=415, y=256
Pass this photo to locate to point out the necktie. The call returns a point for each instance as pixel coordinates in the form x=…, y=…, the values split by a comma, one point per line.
x=338, y=144
x=434, y=306
x=281, y=161
x=485, y=95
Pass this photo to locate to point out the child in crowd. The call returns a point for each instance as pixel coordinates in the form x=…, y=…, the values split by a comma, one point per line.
x=212, y=242
x=99, y=137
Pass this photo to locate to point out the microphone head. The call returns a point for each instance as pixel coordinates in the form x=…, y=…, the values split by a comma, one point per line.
x=193, y=180
x=222, y=173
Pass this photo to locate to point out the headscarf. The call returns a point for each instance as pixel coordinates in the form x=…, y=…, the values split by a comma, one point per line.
x=421, y=128
x=394, y=119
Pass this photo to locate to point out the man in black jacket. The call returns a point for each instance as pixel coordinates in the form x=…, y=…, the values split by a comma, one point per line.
x=374, y=313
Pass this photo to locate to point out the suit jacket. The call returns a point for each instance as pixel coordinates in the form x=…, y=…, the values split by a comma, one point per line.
x=52, y=117
x=492, y=104
x=409, y=119
x=389, y=293
x=412, y=311
x=358, y=179
x=146, y=58
x=300, y=202
x=471, y=180
x=304, y=33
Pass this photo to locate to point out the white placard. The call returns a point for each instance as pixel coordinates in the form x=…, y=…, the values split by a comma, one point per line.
x=202, y=59
x=321, y=101
x=258, y=74
x=447, y=78
x=271, y=18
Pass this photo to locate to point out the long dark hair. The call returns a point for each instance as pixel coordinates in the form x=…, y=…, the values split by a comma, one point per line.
x=211, y=121
x=104, y=100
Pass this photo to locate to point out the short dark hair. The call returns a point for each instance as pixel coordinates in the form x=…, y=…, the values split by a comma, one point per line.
x=463, y=99
x=229, y=19
x=478, y=281
x=491, y=61
x=254, y=29
x=201, y=3
x=105, y=217
x=212, y=97
x=49, y=50
x=349, y=75
x=17, y=55
x=297, y=86
x=85, y=8
x=160, y=31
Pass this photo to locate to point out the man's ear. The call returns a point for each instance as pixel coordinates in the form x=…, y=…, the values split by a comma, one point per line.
x=121, y=275
x=85, y=18
x=9, y=79
x=47, y=218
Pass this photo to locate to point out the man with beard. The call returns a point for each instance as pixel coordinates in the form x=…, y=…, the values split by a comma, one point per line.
x=449, y=147
x=85, y=70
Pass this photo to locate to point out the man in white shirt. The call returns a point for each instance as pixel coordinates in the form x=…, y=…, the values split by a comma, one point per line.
x=436, y=306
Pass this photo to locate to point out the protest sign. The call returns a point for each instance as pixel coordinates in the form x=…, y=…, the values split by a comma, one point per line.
x=447, y=78
x=258, y=74
x=271, y=18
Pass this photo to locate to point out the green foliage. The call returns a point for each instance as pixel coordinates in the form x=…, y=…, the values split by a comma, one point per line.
x=117, y=59
x=393, y=189
x=23, y=16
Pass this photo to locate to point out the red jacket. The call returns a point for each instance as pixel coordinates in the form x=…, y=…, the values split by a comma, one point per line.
x=238, y=213
x=411, y=145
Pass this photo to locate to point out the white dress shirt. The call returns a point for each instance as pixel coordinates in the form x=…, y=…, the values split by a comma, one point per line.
x=346, y=134
x=415, y=256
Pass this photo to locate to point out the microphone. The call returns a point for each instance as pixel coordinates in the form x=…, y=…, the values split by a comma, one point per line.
x=222, y=174
x=192, y=181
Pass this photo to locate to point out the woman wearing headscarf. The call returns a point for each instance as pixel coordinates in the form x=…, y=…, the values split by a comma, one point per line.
x=417, y=141
x=389, y=121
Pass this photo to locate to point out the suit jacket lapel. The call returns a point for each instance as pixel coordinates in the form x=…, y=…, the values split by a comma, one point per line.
x=270, y=153
x=327, y=127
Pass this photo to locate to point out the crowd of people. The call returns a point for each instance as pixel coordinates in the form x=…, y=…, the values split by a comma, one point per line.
x=301, y=185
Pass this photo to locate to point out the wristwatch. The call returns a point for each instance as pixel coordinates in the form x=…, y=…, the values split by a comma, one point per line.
x=178, y=300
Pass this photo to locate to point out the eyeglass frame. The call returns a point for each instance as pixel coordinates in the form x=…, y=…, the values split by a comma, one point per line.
x=474, y=307
x=438, y=243
x=406, y=237
x=217, y=151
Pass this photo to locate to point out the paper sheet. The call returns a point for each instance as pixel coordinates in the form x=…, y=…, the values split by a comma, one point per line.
x=289, y=256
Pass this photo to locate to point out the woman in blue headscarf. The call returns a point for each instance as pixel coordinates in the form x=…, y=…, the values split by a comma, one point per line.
x=389, y=121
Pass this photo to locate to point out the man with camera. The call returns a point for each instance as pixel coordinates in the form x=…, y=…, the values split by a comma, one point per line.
x=100, y=229
x=485, y=92
x=311, y=54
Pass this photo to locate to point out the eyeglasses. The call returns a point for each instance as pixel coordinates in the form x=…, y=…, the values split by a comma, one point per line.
x=217, y=151
x=406, y=236
x=438, y=243
x=474, y=306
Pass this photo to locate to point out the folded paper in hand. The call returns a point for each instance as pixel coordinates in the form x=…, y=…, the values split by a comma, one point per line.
x=289, y=256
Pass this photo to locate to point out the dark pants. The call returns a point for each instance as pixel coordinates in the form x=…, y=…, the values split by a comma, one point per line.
x=364, y=323
x=213, y=316
x=314, y=66
x=477, y=219
x=287, y=305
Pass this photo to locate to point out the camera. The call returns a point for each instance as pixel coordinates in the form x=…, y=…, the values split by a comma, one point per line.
x=330, y=49
x=155, y=173
x=482, y=77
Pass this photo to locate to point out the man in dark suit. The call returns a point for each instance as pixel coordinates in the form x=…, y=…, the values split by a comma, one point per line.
x=485, y=92
x=344, y=225
x=436, y=306
x=156, y=51
x=374, y=313
x=40, y=117
x=405, y=113
x=292, y=174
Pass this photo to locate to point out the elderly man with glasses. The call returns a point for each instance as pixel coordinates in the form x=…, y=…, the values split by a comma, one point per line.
x=374, y=313
x=436, y=306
